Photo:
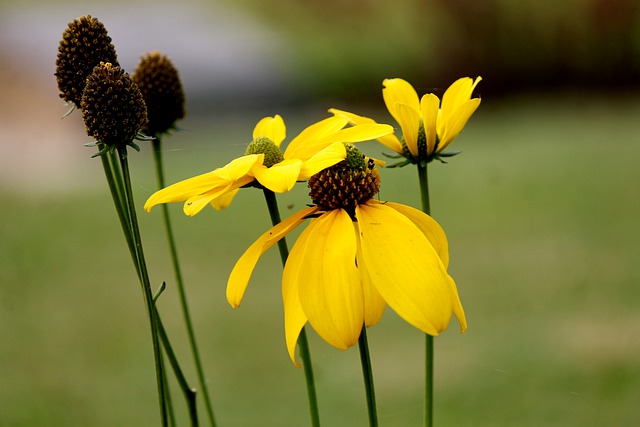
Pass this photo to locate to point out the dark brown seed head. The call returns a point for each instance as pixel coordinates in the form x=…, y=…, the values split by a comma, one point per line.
x=345, y=185
x=112, y=106
x=84, y=45
x=161, y=88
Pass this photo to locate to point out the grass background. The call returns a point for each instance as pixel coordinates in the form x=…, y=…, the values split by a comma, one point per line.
x=541, y=211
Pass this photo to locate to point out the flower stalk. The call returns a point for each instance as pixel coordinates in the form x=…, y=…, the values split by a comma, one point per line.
x=303, y=343
x=367, y=373
x=193, y=344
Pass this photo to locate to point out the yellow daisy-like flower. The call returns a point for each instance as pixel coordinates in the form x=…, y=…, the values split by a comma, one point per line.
x=428, y=125
x=315, y=148
x=356, y=256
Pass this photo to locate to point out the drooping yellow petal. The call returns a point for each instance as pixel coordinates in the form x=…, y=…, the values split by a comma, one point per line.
x=331, y=292
x=457, y=305
x=399, y=91
x=405, y=268
x=200, y=184
x=409, y=120
x=374, y=304
x=429, y=106
x=241, y=273
x=457, y=121
x=429, y=227
x=195, y=204
x=223, y=201
x=294, y=272
x=272, y=128
x=349, y=135
x=328, y=157
x=313, y=133
x=280, y=177
x=390, y=141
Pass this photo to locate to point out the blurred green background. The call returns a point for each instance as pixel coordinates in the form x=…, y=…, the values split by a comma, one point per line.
x=541, y=211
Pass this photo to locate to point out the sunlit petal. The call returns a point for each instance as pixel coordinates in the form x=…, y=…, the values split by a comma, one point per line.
x=409, y=120
x=405, y=268
x=390, y=141
x=223, y=201
x=294, y=273
x=195, y=204
x=429, y=227
x=399, y=91
x=457, y=121
x=328, y=157
x=272, y=128
x=331, y=294
x=182, y=190
x=429, y=106
x=280, y=177
x=457, y=94
x=239, y=278
x=313, y=133
x=457, y=305
x=374, y=304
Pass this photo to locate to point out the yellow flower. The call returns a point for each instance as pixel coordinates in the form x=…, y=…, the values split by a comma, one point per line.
x=428, y=125
x=356, y=256
x=315, y=148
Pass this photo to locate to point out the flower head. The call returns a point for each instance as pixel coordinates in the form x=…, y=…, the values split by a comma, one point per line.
x=84, y=45
x=265, y=165
x=161, y=89
x=112, y=106
x=428, y=125
x=356, y=256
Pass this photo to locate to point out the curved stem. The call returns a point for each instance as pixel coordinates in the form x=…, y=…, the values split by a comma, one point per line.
x=157, y=155
x=367, y=374
x=429, y=344
x=303, y=343
x=144, y=281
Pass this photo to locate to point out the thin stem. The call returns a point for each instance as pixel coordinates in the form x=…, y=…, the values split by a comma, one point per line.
x=303, y=343
x=189, y=393
x=429, y=344
x=367, y=374
x=157, y=155
x=144, y=281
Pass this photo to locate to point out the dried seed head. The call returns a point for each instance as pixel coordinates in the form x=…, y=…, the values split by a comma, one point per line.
x=161, y=89
x=351, y=182
x=84, y=45
x=112, y=106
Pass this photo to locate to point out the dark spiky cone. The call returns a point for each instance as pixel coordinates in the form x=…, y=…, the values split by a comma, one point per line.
x=84, y=45
x=161, y=88
x=112, y=106
x=345, y=185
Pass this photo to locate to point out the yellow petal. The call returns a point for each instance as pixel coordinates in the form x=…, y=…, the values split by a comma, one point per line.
x=331, y=292
x=457, y=94
x=353, y=134
x=294, y=273
x=389, y=141
x=429, y=106
x=374, y=304
x=280, y=177
x=314, y=132
x=457, y=305
x=457, y=121
x=429, y=227
x=223, y=201
x=196, y=203
x=272, y=128
x=405, y=268
x=239, y=278
x=409, y=120
x=328, y=157
x=399, y=91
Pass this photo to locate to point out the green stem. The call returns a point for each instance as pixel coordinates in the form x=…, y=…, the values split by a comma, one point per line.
x=189, y=393
x=157, y=152
x=429, y=344
x=303, y=343
x=144, y=281
x=367, y=374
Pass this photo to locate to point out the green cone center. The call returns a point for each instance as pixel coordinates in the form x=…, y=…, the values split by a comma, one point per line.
x=263, y=145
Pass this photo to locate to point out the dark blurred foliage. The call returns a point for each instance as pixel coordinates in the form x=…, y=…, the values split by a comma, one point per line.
x=349, y=46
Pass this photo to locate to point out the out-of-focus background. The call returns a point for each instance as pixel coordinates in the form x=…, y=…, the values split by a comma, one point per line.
x=541, y=210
